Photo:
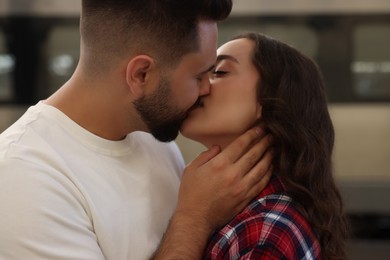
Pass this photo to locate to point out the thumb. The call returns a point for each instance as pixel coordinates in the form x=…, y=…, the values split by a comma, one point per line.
x=205, y=156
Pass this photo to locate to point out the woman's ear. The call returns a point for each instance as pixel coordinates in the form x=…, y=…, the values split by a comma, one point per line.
x=139, y=74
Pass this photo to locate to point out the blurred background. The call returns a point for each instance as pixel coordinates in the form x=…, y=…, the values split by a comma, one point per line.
x=349, y=39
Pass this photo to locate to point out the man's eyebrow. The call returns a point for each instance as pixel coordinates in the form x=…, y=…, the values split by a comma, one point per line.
x=207, y=70
x=226, y=57
x=219, y=59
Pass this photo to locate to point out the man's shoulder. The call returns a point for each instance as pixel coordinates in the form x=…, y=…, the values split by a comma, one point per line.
x=16, y=133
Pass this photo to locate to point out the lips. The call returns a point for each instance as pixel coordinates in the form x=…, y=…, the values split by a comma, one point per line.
x=198, y=103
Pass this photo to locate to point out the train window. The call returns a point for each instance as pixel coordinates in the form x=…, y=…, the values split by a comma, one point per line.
x=371, y=63
x=351, y=50
x=63, y=55
x=7, y=65
x=298, y=35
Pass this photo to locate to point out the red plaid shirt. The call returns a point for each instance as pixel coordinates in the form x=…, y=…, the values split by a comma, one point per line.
x=270, y=227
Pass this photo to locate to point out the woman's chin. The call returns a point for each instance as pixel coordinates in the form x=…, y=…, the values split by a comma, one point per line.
x=208, y=139
x=194, y=137
x=191, y=136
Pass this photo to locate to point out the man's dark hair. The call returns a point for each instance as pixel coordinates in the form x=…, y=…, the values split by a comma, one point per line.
x=164, y=29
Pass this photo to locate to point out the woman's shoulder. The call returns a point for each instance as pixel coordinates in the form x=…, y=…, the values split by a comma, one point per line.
x=277, y=216
x=272, y=225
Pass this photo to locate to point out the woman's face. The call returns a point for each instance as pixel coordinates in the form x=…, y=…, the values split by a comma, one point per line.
x=231, y=106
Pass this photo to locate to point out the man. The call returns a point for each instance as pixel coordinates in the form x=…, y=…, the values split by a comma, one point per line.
x=80, y=178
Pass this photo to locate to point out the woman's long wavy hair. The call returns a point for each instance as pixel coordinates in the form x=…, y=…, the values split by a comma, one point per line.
x=294, y=110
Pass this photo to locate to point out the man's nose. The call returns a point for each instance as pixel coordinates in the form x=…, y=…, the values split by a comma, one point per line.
x=205, y=86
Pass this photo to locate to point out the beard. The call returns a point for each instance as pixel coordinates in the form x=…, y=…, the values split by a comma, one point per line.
x=161, y=117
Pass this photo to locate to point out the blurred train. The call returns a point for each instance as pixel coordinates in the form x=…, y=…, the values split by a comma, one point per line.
x=349, y=39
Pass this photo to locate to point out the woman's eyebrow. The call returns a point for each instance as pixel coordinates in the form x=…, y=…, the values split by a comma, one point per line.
x=226, y=57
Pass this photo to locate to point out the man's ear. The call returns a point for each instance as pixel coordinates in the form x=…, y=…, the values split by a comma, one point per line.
x=139, y=74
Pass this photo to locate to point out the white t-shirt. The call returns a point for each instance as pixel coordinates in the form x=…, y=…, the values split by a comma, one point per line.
x=68, y=194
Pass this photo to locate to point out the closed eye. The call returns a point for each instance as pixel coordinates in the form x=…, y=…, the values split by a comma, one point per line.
x=219, y=72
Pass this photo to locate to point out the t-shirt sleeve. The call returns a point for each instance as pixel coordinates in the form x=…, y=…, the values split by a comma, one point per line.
x=43, y=215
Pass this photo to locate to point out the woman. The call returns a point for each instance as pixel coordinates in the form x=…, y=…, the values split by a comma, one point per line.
x=299, y=215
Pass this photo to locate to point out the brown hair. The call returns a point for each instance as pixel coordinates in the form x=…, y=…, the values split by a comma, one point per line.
x=164, y=29
x=294, y=110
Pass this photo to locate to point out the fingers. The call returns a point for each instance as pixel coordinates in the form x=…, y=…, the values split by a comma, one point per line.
x=249, y=159
x=235, y=150
x=205, y=156
x=260, y=173
x=257, y=178
x=258, y=186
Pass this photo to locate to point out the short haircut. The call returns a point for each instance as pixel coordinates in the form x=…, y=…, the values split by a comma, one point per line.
x=164, y=29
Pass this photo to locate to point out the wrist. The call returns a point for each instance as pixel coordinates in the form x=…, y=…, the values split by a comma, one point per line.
x=192, y=222
x=186, y=237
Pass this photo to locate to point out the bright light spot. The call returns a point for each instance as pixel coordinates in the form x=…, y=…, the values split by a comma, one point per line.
x=62, y=65
x=7, y=63
x=370, y=67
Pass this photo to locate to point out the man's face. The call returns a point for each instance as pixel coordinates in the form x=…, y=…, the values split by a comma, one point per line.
x=164, y=110
x=232, y=107
x=159, y=114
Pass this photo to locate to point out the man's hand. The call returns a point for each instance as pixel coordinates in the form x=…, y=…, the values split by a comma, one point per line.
x=214, y=188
